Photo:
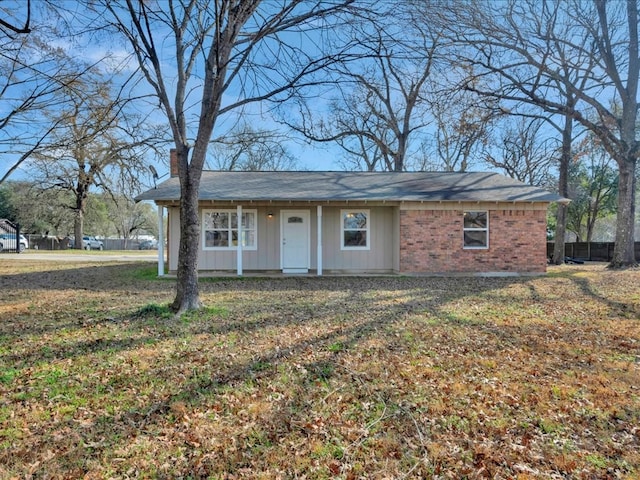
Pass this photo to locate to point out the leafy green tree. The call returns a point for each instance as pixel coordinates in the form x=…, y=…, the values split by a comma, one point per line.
x=97, y=221
x=7, y=208
x=39, y=211
x=593, y=189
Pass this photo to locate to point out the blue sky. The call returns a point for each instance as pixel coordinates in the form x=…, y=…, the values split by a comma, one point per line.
x=310, y=156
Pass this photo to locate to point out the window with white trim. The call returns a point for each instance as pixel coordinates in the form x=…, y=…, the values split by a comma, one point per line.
x=220, y=229
x=476, y=229
x=354, y=230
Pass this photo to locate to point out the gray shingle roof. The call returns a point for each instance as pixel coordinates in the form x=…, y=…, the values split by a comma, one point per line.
x=355, y=186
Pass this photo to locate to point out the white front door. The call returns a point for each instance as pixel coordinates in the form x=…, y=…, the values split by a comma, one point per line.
x=295, y=233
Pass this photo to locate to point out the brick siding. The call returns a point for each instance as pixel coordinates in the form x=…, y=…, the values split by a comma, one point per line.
x=431, y=242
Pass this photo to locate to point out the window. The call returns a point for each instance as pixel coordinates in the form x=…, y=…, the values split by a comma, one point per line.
x=355, y=229
x=476, y=230
x=221, y=228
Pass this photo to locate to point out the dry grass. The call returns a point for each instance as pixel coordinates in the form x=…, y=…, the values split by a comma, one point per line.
x=350, y=378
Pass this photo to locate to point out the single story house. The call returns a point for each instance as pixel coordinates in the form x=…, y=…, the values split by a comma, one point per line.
x=361, y=222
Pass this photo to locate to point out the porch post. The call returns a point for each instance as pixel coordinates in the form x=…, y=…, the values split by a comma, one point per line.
x=319, y=260
x=160, y=241
x=239, y=246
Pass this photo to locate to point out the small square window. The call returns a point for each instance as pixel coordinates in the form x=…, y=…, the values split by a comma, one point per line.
x=476, y=229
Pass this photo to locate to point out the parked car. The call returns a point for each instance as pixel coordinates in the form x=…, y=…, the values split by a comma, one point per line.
x=8, y=242
x=92, y=243
x=88, y=243
x=148, y=245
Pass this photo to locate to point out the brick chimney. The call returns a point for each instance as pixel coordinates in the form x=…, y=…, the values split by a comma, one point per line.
x=173, y=162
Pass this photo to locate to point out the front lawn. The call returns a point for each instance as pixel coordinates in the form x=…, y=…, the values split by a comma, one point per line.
x=318, y=378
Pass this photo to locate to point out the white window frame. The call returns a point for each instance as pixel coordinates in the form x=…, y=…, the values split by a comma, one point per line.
x=230, y=212
x=470, y=229
x=367, y=213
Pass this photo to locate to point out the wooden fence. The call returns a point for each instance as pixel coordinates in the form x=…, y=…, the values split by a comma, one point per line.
x=593, y=251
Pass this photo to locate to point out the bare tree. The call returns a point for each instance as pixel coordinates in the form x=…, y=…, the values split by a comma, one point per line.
x=224, y=56
x=129, y=218
x=577, y=60
x=518, y=83
x=249, y=149
x=99, y=144
x=381, y=101
x=463, y=126
x=525, y=151
x=528, y=158
x=357, y=125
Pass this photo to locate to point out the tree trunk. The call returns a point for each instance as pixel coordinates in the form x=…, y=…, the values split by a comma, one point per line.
x=187, y=290
x=592, y=216
x=561, y=229
x=563, y=189
x=629, y=148
x=623, y=252
x=78, y=227
x=78, y=222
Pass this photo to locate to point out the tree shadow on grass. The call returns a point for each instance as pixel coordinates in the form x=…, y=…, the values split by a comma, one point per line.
x=623, y=309
x=87, y=296
x=97, y=277
x=322, y=359
x=370, y=310
x=368, y=314
x=318, y=355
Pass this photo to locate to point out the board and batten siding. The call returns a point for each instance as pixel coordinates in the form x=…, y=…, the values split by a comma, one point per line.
x=379, y=257
x=265, y=257
x=173, y=237
x=221, y=260
x=382, y=256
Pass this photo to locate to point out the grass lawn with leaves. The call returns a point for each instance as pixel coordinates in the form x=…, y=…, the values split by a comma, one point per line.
x=318, y=378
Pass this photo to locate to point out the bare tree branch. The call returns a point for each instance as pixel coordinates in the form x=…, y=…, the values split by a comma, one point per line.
x=25, y=27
